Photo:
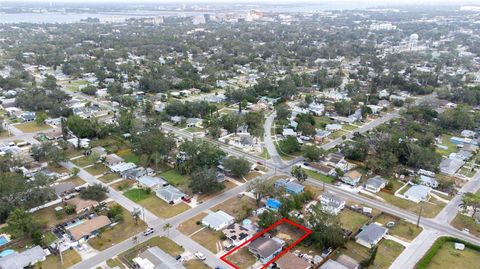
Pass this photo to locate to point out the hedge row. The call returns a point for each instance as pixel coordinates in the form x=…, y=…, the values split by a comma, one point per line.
x=427, y=258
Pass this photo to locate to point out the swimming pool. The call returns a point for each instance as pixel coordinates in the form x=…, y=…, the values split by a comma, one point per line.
x=6, y=252
x=3, y=240
x=74, y=224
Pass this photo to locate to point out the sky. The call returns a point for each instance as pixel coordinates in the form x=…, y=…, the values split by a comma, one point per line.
x=393, y=2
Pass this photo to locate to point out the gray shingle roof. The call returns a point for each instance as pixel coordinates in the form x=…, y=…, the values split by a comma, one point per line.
x=24, y=259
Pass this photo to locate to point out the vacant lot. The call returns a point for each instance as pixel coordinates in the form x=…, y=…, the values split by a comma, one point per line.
x=242, y=258
x=83, y=161
x=237, y=207
x=352, y=220
x=109, y=177
x=402, y=229
x=174, y=177
x=154, y=204
x=48, y=216
x=128, y=156
x=190, y=226
x=75, y=180
x=118, y=233
x=163, y=243
x=123, y=185
x=461, y=222
x=319, y=177
x=97, y=169
x=208, y=239
x=31, y=127
x=387, y=252
x=449, y=257
x=195, y=264
x=70, y=257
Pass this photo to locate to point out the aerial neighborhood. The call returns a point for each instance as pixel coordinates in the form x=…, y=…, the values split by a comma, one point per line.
x=239, y=136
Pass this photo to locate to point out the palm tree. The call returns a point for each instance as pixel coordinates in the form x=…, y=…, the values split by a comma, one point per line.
x=136, y=215
x=167, y=227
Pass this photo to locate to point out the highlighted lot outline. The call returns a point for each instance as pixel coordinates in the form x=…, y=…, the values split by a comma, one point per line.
x=284, y=220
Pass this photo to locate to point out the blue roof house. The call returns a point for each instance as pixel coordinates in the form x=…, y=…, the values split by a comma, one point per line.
x=273, y=204
x=290, y=187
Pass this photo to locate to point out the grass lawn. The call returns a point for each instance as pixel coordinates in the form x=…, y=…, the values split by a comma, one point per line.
x=48, y=217
x=284, y=156
x=109, y=177
x=402, y=228
x=70, y=257
x=97, y=169
x=128, y=156
x=49, y=238
x=71, y=152
x=154, y=204
x=430, y=208
x=74, y=85
x=205, y=197
x=354, y=250
x=31, y=127
x=83, y=161
x=252, y=175
x=163, y=243
x=337, y=134
x=190, y=226
x=117, y=233
x=242, y=258
x=461, y=222
x=195, y=264
x=352, y=220
x=321, y=121
x=320, y=177
x=57, y=169
x=237, y=207
x=446, y=142
x=75, y=180
x=123, y=185
x=265, y=154
x=388, y=251
x=174, y=177
x=349, y=127
x=208, y=238
x=316, y=191
x=448, y=257
x=4, y=134
x=115, y=262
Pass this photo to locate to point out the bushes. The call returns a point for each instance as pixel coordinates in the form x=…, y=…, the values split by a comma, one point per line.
x=427, y=258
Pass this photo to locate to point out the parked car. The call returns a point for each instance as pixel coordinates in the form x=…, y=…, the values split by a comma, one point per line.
x=148, y=231
x=187, y=199
x=200, y=255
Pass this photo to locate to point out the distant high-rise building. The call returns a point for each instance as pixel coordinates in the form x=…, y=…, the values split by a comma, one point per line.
x=412, y=42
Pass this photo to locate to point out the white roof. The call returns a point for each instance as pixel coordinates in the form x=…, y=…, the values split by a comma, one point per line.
x=217, y=219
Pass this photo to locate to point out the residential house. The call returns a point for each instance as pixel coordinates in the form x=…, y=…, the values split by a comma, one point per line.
x=134, y=173
x=323, y=169
x=450, y=166
x=62, y=189
x=79, y=142
x=468, y=133
x=320, y=135
x=194, y=122
x=265, y=248
x=273, y=204
x=28, y=116
x=331, y=203
x=288, y=132
x=218, y=220
x=88, y=228
x=25, y=259
x=375, y=184
x=176, y=120
x=333, y=127
x=82, y=205
x=417, y=193
x=152, y=182
x=99, y=151
x=292, y=261
x=371, y=235
x=113, y=159
x=122, y=167
x=156, y=258
x=242, y=129
x=337, y=160
x=351, y=177
x=170, y=194
x=289, y=186
x=428, y=181
x=238, y=234
x=342, y=262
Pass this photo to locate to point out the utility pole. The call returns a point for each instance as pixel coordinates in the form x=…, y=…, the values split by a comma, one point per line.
x=420, y=214
x=143, y=210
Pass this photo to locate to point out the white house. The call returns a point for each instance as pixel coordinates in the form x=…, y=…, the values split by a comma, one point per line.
x=331, y=203
x=218, y=220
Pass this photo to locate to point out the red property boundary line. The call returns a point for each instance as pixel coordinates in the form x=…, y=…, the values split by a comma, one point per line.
x=307, y=233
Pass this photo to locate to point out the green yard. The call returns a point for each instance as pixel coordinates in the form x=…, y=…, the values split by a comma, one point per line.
x=462, y=221
x=83, y=161
x=123, y=185
x=97, y=169
x=109, y=177
x=118, y=233
x=387, y=252
x=209, y=239
x=190, y=226
x=174, y=177
x=446, y=142
x=319, y=177
x=31, y=127
x=352, y=220
x=75, y=180
x=129, y=156
x=321, y=121
x=163, y=243
x=448, y=257
x=70, y=257
x=154, y=204
x=403, y=229
x=430, y=208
